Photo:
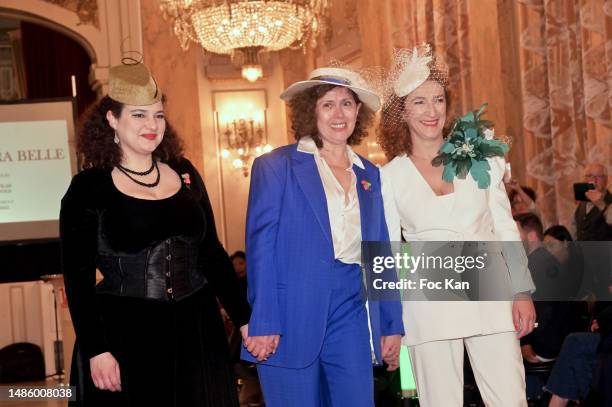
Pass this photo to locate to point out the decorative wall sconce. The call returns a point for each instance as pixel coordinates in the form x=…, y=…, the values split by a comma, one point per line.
x=241, y=127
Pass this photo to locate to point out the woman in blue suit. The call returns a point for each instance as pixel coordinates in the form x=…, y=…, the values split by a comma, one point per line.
x=311, y=204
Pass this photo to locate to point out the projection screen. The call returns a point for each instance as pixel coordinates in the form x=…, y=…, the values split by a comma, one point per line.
x=37, y=161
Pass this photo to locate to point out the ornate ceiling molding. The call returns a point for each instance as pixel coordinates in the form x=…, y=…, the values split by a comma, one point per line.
x=86, y=10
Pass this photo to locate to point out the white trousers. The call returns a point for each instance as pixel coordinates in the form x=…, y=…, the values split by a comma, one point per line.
x=496, y=361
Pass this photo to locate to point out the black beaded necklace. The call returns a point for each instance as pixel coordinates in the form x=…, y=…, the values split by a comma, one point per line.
x=127, y=172
x=141, y=173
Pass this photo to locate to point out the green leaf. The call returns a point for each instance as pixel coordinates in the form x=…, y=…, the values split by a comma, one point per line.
x=447, y=148
x=462, y=167
x=482, y=109
x=449, y=173
x=438, y=160
x=493, y=148
x=458, y=162
x=487, y=149
x=471, y=133
x=480, y=172
x=469, y=117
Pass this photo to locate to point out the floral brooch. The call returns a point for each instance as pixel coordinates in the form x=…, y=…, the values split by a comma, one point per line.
x=186, y=179
x=469, y=144
x=366, y=185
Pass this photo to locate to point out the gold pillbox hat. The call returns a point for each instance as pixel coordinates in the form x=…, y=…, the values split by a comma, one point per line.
x=133, y=84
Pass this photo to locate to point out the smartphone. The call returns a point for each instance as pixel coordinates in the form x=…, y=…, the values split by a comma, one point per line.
x=580, y=189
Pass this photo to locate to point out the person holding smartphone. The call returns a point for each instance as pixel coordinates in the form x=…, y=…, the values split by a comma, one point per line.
x=593, y=217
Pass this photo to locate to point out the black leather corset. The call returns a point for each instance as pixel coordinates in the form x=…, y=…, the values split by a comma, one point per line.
x=165, y=271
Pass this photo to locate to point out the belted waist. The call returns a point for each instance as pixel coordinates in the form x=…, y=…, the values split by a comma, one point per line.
x=166, y=271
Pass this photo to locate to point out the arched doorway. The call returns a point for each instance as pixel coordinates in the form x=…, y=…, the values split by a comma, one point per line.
x=117, y=27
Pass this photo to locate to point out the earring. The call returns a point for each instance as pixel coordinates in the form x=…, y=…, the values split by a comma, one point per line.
x=116, y=139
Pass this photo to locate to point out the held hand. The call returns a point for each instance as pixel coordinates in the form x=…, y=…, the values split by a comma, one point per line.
x=261, y=347
x=105, y=372
x=596, y=197
x=390, y=349
x=523, y=315
x=244, y=331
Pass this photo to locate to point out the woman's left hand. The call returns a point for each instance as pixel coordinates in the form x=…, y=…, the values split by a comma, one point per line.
x=261, y=347
x=523, y=314
x=390, y=349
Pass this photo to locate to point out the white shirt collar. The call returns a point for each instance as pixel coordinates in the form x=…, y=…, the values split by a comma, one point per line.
x=308, y=145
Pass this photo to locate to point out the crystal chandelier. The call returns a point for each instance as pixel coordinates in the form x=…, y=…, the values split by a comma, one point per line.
x=245, y=28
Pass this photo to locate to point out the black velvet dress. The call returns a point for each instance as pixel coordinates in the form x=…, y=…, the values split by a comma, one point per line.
x=170, y=353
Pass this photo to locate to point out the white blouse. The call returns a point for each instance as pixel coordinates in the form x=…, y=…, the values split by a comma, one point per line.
x=343, y=209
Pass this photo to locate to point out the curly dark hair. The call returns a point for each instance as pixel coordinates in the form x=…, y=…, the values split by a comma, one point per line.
x=531, y=223
x=396, y=139
x=303, y=115
x=95, y=145
x=559, y=232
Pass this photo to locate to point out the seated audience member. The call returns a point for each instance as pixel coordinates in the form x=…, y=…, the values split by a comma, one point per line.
x=558, y=233
x=548, y=274
x=542, y=264
x=239, y=261
x=250, y=391
x=582, y=355
x=522, y=198
x=544, y=343
x=557, y=240
x=602, y=379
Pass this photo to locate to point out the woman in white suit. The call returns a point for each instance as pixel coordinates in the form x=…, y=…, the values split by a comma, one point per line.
x=421, y=206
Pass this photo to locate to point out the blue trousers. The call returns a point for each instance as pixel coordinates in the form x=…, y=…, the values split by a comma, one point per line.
x=573, y=371
x=342, y=373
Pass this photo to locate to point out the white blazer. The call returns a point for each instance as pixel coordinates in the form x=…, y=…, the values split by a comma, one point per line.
x=413, y=211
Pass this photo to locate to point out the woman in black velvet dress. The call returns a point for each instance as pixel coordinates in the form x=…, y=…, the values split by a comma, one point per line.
x=150, y=333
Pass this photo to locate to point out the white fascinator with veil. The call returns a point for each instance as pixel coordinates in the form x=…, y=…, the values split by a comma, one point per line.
x=410, y=68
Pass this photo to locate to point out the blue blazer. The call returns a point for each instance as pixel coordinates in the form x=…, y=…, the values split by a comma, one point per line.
x=290, y=255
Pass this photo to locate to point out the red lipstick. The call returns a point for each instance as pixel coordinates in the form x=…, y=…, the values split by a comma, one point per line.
x=150, y=136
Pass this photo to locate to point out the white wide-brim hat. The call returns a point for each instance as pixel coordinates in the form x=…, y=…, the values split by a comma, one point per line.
x=338, y=77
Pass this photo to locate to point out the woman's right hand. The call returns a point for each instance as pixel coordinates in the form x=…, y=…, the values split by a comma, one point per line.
x=105, y=372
